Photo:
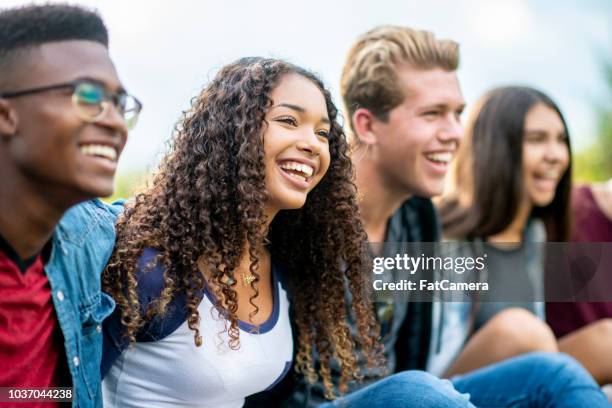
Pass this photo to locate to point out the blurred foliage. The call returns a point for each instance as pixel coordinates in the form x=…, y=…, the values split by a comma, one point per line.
x=595, y=162
x=127, y=183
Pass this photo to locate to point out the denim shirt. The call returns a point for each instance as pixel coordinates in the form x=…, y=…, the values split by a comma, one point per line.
x=82, y=244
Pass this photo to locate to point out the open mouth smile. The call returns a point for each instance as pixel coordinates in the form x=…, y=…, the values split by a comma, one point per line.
x=299, y=171
x=99, y=150
x=440, y=158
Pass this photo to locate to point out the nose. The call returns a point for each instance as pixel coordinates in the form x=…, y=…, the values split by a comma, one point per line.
x=310, y=144
x=555, y=151
x=452, y=130
x=114, y=119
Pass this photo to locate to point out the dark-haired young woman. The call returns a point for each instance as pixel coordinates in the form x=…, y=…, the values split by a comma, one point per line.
x=510, y=191
x=251, y=210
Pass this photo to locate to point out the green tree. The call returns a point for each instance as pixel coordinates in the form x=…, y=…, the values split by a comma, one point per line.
x=127, y=184
x=595, y=162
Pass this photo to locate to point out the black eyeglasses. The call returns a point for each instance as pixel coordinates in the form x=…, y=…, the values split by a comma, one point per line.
x=91, y=100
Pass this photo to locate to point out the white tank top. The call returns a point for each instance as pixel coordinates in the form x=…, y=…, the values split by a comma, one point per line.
x=173, y=372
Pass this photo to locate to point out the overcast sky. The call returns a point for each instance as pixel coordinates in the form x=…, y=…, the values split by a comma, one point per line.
x=166, y=51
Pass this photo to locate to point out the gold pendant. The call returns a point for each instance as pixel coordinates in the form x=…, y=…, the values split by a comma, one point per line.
x=247, y=279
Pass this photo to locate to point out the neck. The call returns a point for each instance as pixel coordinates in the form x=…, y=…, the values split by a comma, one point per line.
x=269, y=214
x=514, y=232
x=377, y=202
x=28, y=213
x=263, y=267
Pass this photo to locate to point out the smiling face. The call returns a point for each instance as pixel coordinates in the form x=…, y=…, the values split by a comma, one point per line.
x=51, y=145
x=419, y=139
x=296, y=142
x=545, y=154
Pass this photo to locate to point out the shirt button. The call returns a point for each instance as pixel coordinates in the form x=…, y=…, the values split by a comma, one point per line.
x=60, y=295
x=98, y=328
x=76, y=361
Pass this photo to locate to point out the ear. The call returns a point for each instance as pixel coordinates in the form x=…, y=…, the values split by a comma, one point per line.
x=8, y=119
x=363, y=121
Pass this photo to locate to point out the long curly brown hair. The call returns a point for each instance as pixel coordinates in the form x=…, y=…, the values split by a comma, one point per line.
x=206, y=202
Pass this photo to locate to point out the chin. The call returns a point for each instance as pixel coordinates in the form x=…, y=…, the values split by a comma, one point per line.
x=99, y=190
x=429, y=191
x=543, y=202
x=294, y=204
x=290, y=201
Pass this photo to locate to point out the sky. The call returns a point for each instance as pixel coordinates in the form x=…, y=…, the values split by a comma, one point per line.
x=166, y=52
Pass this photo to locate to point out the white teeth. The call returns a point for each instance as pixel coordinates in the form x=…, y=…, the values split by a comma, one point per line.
x=297, y=176
x=305, y=169
x=550, y=174
x=99, y=150
x=445, y=157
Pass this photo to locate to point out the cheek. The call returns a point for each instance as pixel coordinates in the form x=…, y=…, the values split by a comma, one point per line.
x=325, y=157
x=396, y=145
x=565, y=157
x=57, y=126
x=325, y=161
x=532, y=157
x=274, y=142
x=412, y=138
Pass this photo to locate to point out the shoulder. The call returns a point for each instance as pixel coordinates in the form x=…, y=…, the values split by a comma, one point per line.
x=536, y=231
x=582, y=199
x=150, y=276
x=94, y=208
x=86, y=236
x=89, y=216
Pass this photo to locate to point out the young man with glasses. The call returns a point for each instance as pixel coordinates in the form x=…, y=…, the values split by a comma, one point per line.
x=64, y=118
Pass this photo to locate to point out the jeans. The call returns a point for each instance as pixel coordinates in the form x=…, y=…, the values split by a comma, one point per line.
x=532, y=380
x=405, y=389
x=539, y=380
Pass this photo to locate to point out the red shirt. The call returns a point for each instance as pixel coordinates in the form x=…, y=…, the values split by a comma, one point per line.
x=590, y=225
x=31, y=344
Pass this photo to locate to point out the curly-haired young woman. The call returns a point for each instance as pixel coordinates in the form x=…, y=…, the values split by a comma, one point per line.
x=252, y=208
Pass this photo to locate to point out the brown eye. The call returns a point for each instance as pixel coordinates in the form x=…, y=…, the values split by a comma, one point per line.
x=288, y=120
x=323, y=133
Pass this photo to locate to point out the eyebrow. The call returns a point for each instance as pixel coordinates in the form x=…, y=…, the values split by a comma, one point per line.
x=541, y=132
x=443, y=106
x=301, y=110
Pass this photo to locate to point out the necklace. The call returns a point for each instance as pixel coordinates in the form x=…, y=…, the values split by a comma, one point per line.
x=247, y=279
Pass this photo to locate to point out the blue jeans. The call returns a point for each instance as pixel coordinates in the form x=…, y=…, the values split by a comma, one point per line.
x=539, y=380
x=405, y=389
x=532, y=380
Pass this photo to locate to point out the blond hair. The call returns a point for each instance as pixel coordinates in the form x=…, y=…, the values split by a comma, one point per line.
x=369, y=78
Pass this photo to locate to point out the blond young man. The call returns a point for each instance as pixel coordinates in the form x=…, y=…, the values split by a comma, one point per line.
x=403, y=102
x=402, y=93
